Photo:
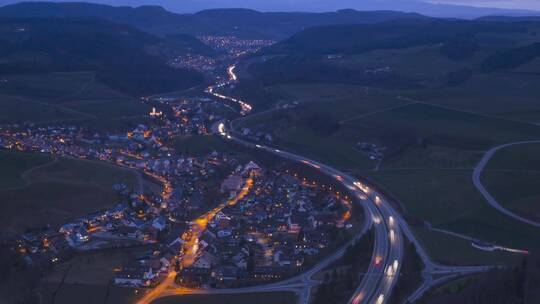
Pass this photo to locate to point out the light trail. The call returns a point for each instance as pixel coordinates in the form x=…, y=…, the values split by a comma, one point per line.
x=154, y=293
x=191, y=238
x=245, y=107
x=191, y=246
x=230, y=71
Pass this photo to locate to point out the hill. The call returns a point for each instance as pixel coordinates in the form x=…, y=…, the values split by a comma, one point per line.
x=281, y=25
x=243, y=23
x=373, y=54
x=118, y=54
x=429, y=8
x=513, y=58
x=152, y=18
x=360, y=38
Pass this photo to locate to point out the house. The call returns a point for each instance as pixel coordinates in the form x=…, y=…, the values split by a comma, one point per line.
x=193, y=277
x=134, y=276
x=240, y=260
x=117, y=211
x=225, y=275
x=232, y=184
x=283, y=259
x=166, y=261
x=206, y=260
x=174, y=235
x=266, y=273
x=296, y=221
x=81, y=236
x=251, y=169
x=127, y=231
x=224, y=233
x=159, y=223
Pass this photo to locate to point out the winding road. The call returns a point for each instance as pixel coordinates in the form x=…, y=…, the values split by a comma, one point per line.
x=390, y=231
x=477, y=174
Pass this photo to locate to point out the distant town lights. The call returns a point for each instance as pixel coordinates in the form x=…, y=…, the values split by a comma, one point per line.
x=155, y=113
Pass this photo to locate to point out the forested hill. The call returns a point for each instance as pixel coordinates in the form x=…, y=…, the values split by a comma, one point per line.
x=117, y=53
x=243, y=23
x=359, y=38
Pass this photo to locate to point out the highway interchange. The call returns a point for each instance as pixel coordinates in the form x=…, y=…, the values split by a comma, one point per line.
x=389, y=228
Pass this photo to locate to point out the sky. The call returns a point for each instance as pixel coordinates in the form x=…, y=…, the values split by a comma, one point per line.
x=459, y=8
x=513, y=4
x=322, y=5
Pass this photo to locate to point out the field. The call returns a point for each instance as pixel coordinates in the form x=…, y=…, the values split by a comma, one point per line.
x=260, y=298
x=90, y=294
x=451, y=250
x=15, y=164
x=509, y=95
x=448, y=200
x=512, y=176
x=414, y=134
x=87, y=278
x=304, y=129
x=66, y=97
x=524, y=157
x=431, y=150
x=41, y=191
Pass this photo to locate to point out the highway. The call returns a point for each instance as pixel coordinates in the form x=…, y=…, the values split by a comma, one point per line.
x=477, y=173
x=377, y=284
x=390, y=229
x=382, y=274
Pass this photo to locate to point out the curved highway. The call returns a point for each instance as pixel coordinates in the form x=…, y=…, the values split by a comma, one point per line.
x=390, y=229
x=382, y=275
x=383, y=272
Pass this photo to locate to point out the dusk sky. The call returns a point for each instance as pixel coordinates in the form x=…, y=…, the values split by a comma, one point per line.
x=513, y=4
x=520, y=4
x=459, y=8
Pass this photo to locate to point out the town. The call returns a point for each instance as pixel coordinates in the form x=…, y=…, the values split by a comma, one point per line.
x=218, y=221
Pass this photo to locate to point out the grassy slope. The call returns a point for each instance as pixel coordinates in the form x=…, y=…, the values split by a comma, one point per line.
x=55, y=192
x=512, y=176
x=15, y=164
x=448, y=200
x=66, y=97
x=433, y=181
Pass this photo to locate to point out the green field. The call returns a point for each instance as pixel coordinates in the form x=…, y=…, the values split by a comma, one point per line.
x=516, y=190
x=324, y=104
x=260, y=298
x=524, y=157
x=57, y=87
x=91, y=294
x=509, y=95
x=66, y=97
x=88, y=277
x=417, y=135
x=429, y=170
x=40, y=191
x=93, y=268
x=446, y=127
x=451, y=250
x=512, y=176
x=447, y=199
x=15, y=164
